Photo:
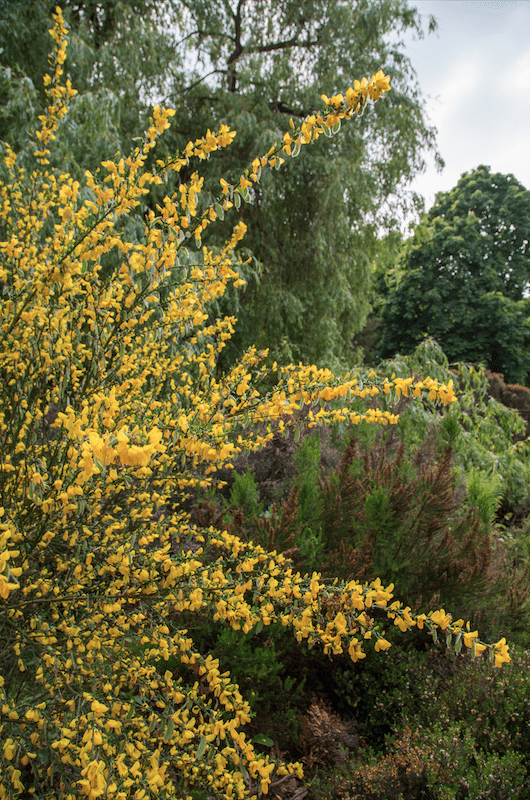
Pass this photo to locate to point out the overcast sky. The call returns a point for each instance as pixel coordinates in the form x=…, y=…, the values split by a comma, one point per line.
x=475, y=72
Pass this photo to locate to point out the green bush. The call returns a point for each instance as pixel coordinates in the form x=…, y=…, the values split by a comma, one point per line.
x=485, y=434
x=244, y=495
x=433, y=726
x=494, y=708
x=268, y=665
x=382, y=512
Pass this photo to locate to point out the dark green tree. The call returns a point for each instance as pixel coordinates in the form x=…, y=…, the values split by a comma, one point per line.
x=464, y=277
x=252, y=64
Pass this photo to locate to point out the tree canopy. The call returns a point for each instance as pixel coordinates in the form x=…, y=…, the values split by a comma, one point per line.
x=314, y=235
x=464, y=277
x=252, y=65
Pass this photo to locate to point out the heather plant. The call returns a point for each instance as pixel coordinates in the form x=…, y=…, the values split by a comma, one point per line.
x=440, y=764
x=433, y=726
x=494, y=709
x=112, y=412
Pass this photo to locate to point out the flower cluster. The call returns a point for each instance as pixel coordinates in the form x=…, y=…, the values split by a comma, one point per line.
x=111, y=410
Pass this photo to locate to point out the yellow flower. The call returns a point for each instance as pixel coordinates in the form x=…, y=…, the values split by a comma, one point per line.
x=469, y=636
x=501, y=653
x=440, y=618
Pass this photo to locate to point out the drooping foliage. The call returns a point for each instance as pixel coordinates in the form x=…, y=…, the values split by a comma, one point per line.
x=267, y=62
x=112, y=409
x=118, y=59
x=464, y=277
x=253, y=66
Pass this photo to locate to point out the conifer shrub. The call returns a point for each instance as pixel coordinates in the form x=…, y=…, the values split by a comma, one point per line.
x=112, y=411
x=389, y=514
x=383, y=511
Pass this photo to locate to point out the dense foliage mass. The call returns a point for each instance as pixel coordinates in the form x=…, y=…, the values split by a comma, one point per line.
x=252, y=66
x=464, y=277
x=438, y=503
x=112, y=410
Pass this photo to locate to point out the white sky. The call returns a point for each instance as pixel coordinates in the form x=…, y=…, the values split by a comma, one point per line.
x=475, y=73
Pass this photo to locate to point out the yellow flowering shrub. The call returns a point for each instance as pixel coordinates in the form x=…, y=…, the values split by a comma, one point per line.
x=111, y=411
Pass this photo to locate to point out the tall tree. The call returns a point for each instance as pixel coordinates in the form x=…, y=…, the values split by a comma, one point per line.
x=316, y=235
x=465, y=277
x=253, y=64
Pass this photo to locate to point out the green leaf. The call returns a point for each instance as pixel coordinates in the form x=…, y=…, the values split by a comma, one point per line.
x=266, y=741
x=170, y=729
x=243, y=770
x=201, y=748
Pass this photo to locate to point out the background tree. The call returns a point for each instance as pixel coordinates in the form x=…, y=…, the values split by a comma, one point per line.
x=118, y=59
x=465, y=275
x=314, y=235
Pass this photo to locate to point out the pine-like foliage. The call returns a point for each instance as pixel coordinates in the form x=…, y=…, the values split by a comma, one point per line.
x=404, y=518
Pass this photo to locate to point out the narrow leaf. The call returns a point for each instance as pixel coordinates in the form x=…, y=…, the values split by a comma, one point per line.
x=169, y=730
x=201, y=748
